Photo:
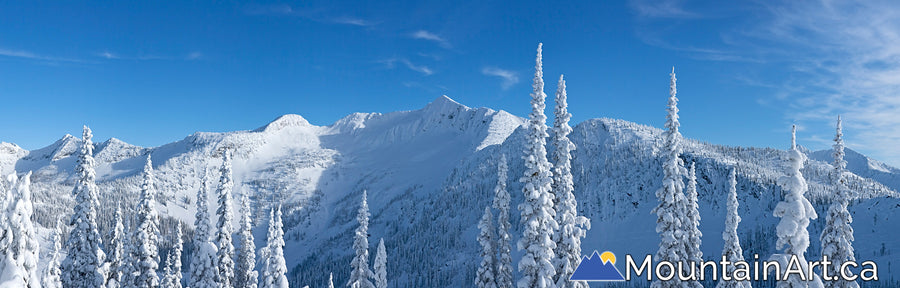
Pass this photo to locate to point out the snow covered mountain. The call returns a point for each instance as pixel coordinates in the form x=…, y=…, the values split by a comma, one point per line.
x=429, y=174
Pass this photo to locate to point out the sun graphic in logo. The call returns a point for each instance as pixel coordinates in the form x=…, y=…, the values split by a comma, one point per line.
x=608, y=257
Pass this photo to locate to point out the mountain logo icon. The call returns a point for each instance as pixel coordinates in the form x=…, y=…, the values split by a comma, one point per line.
x=598, y=267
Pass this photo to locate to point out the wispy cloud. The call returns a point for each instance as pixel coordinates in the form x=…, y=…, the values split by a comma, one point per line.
x=425, y=35
x=353, y=21
x=508, y=78
x=194, y=56
x=33, y=56
x=391, y=63
x=661, y=9
x=279, y=9
x=847, y=56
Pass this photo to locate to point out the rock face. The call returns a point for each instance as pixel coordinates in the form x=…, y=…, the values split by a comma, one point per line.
x=429, y=174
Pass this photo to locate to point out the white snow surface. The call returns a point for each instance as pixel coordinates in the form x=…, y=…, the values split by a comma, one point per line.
x=429, y=174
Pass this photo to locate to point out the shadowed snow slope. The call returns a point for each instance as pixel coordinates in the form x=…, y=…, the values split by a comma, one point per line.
x=430, y=172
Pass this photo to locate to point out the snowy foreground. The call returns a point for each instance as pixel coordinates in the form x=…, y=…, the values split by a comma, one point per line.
x=430, y=173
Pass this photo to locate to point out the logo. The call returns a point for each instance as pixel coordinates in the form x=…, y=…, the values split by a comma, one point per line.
x=598, y=267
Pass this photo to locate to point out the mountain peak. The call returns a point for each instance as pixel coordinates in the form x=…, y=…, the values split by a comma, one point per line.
x=445, y=103
x=287, y=120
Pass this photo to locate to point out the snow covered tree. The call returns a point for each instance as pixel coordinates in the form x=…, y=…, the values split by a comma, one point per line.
x=330, y=280
x=203, y=263
x=795, y=212
x=172, y=278
x=837, y=236
x=380, y=266
x=247, y=276
x=501, y=203
x=692, y=225
x=485, y=276
x=147, y=232
x=276, y=269
x=19, y=246
x=52, y=273
x=538, y=216
x=83, y=266
x=732, y=250
x=572, y=227
x=669, y=212
x=117, y=256
x=360, y=273
x=129, y=260
x=225, y=254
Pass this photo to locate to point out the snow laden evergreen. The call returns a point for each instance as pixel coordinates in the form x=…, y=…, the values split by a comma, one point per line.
x=504, y=268
x=172, y=278
x=129, y=260
x=173, y=274
x=538, y=216
x=246, y=275
x=330, y=280
x=52, y=273
x=795, y=212
x=837, y=235
x=691, y=228
x=83, y=266
x=117, y=256
x=669, y=212
x=147, y=232
x=572, y=227
x=203, y=263
x=274, y=275
x=360, y=272
x=225, y=252
x=732, y=250
x=380, y=266
x=485, y=277
x=19, y=246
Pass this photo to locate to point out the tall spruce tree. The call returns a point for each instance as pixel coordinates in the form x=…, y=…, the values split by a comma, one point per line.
x=360, y=272
x=501, y=203
x=83, y=266
x=485, y=277
x=537, y=214
x=246, y=275
x=203, y=262
x=275, y=275
x=669, y=212
x=572, y=227
x=732, y=251
x=795, y=212
x=225, y=252
x=117, y=256
x=19, y=246
x=172, y=278
x=837, y=236
x=147, y=232
x=52, y=273
x=692, y=226
x=380, y=266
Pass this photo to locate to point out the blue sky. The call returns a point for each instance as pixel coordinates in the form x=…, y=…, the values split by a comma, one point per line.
x=151, y=72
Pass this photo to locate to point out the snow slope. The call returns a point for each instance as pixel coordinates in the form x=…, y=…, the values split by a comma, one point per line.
x=429, y=174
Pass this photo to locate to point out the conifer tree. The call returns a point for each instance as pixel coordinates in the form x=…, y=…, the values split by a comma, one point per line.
x=360, y=273
x=380, y=266
x=692, y=226
x=537, y=214
x=173, y=274
x=117, y=268
x=669, y=212
x=837, y=236
x=485, y=276
x=276, y=269
x=19, y=246
x=732, y=250
x=225, y=252
x=83, y=266
x=501, y=203
x=572, y=227
x=330, y=280
x=795, y=212
x=147, y=233
x=52, y=273
x=204, y=272
x=247, y=276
